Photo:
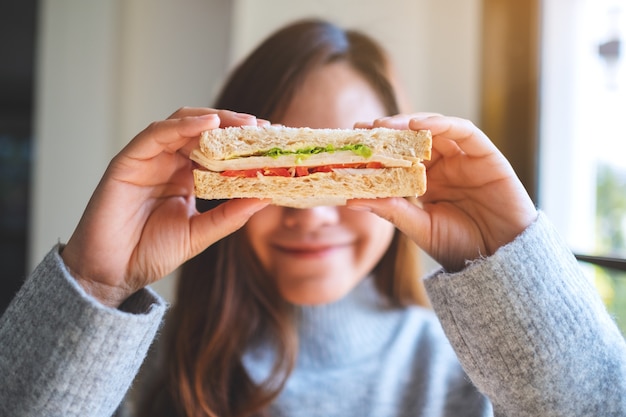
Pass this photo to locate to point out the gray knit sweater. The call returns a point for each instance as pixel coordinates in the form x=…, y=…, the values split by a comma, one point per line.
x=528, y=328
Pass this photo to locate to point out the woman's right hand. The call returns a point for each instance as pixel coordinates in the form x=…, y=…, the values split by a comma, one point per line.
x=141, y=222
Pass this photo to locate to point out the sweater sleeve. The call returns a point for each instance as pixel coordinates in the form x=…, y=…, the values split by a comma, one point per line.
x=64, y=354
x=532, y=332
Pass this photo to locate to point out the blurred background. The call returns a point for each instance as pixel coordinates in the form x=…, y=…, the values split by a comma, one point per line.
x=546, y=80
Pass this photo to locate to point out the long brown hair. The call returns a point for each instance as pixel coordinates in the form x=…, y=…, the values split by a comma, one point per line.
x=225, y=301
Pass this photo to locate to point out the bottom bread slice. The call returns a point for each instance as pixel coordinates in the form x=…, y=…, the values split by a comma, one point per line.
x=316, y=189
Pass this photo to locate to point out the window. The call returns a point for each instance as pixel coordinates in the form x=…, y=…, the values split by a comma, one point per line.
x=582, y=147
x=17, y=46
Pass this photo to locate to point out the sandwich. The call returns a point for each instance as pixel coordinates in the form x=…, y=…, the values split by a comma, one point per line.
x=304, y=167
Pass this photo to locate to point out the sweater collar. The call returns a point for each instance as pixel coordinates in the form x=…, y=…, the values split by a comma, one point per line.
x=346, y=331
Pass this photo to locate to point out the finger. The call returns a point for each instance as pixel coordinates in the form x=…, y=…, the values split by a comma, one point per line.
x=192, y=111
x=399, y=121
x=363, y=125
x=231, y=118
x=168, y=136
x=461, y=132
x=405, y=215
x=209, y=227
x=227, y=117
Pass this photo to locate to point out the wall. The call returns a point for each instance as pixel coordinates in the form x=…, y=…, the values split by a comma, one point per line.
x=435, y=43
x=107, y=69
x=75, y=120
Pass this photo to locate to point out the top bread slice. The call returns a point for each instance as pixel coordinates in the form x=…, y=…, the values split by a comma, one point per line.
x=232, y=142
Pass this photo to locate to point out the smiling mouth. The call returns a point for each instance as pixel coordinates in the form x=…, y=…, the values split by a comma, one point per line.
x=309, y=251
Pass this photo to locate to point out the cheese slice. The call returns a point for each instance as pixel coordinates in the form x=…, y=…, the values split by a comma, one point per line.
x=320, y=159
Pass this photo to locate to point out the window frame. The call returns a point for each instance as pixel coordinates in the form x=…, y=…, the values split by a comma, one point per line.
x=510, y=91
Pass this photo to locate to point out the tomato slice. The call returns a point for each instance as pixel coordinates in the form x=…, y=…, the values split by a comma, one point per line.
x=301, y=171
x=276, y=172
x=297, y=171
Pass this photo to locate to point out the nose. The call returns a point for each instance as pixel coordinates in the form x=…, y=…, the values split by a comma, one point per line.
x=306, y=220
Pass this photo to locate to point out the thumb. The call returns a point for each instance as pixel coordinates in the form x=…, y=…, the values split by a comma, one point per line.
x=406, y=215
x=213, y=225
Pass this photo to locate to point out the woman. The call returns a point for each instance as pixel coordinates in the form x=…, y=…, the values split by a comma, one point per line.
x=244, y=292
x=308, y=74
x=310, y=312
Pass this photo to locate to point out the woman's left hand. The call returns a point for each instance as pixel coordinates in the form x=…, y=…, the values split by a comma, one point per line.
x=474, y=204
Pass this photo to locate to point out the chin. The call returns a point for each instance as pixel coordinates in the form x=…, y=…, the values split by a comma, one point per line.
x=311, y=295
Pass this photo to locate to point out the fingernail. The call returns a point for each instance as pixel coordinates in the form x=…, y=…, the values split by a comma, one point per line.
x=357, y=207
x=244, y=116
x=208, y=116
x=362, y=125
